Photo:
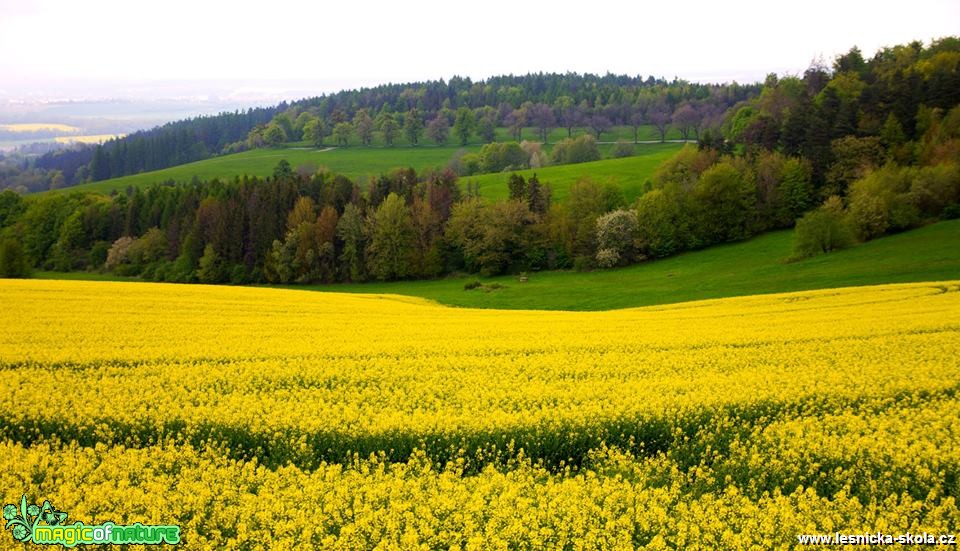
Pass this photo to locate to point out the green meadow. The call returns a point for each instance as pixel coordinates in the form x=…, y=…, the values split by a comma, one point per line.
x=628, y=173
x=354, y=162
x=360, y=163
x=756, y=266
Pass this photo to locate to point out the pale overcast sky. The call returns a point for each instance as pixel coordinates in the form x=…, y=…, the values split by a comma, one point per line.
x=192, y=47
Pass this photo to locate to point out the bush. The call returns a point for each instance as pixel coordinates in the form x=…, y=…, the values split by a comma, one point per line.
x=881, y=201
x=952, y=212
x=497, y=157
x=210, y=268
x=581, y=149
x=725, y=204
x=119, y=252
x=470, y=164
x=935, y=188
x=536, y=157
x=822, y=230
x=616, y=237
x=622, y=149
x=869, y=216
x=664, y=222
x=13, y=262
x=475, y=284
x=97, y=256
x=471, y=285
x=183, y=270
x=684, y=168
x=238, y=275
x=464, y=164
x=583, y=263
x=162, y=270
x=607, y=258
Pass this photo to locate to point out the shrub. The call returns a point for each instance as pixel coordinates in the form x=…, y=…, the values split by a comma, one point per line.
x=581, y=149
x=935, y=188
x=13, y=262
x=622, y=149
x=684, y=168
x=238, y=275
x=119, y=252
x=822, y=230
x=607, y=258
x=664, y=222
x=584, y=263
x=725, y=204
x=881, y=201
x=464, y=164
x=497, y=157
x=536, y=158
x=97, y=256
x=471, y=285
x=616, y=237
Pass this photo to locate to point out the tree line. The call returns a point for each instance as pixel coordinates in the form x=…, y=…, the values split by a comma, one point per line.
x=851, y=152
x=687, y=109
x=459, y=109
x=296, y=228
x=168, y=145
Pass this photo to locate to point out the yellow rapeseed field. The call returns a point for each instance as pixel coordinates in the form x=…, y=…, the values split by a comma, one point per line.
x=262, y=418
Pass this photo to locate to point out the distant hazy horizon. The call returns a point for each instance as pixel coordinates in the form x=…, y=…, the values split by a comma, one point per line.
x=241, y=52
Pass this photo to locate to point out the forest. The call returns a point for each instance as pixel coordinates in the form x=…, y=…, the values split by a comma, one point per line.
x=459, y=109
x=846, y=153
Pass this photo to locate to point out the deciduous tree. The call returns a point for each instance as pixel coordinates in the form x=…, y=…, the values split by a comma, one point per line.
x=390, y=253
x=413, y=126
x=464, y=124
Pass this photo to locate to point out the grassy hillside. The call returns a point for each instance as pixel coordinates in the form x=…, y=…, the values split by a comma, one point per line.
x=628, y=173
x=358, y=162
x=752, y=267
x=352, y=162
x=757, y=266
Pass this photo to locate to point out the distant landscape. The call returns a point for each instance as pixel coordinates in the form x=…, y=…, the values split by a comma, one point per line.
x=532, y=311
x=512, y=175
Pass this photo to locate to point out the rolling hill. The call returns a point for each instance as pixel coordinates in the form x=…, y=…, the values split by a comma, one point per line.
x=360, y=162
x=353, y=162
x=751, y=267
x=628, y=173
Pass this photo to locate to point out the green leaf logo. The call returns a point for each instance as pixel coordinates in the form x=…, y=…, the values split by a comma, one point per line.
x=27, y=517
